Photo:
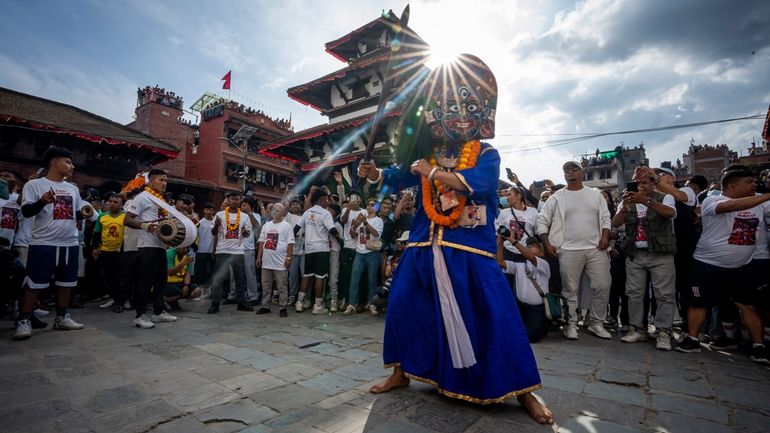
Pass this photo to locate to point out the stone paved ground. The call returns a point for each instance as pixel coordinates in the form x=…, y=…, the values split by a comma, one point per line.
x=241, y=372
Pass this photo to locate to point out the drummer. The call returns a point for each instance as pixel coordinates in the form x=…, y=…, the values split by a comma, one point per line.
x=144, y=213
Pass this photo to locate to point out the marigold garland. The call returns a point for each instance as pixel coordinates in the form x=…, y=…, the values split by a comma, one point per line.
x=469, y=154
x=232, y=227
x=151, y=190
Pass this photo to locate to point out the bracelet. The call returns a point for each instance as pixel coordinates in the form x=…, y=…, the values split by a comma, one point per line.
x=432, y=173
x=379, y=175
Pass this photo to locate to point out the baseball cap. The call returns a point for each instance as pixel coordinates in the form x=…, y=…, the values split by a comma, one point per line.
x=661, y=171
x=569, y=164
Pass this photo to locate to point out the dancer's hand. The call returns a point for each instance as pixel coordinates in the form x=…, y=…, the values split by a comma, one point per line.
x=421, y=167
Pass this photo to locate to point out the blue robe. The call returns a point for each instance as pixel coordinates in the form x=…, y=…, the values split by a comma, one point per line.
x=415, y=338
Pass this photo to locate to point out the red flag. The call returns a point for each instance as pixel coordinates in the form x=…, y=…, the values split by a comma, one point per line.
x=226, y=79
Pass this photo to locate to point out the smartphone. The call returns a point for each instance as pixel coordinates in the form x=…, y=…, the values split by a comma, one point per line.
x=632, y=186
x=509, y=172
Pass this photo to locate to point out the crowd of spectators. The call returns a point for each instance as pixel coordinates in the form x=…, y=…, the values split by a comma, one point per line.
x=684, y=265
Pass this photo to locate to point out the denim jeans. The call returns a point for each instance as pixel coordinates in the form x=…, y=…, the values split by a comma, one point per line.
x=295, y=273
x=370, y=261
x=221, y=269
x=250, y=268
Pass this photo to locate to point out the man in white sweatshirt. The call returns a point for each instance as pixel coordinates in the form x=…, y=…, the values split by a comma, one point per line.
x=574, y=225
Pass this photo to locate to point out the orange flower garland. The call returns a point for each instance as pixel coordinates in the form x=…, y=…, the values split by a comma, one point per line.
x=232, y=227
x=468, y=157
x=151, y=190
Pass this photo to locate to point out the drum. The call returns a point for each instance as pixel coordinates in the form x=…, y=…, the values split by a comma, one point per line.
x=171, y=231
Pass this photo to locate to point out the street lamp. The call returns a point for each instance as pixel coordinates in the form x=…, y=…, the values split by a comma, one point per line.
x=242, y=136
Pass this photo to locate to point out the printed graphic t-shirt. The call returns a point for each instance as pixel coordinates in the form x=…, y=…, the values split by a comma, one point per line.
x=112, y=230
x=146, y=210
x=56, y=224
x=276, y=239
x=10, y=213
x=317, y=222
x=230, y=241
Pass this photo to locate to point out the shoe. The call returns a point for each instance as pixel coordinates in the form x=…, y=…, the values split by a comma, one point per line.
x=242, y=306
x=143, y=322
x=263, y=310
x=214, y=309
x=360, y=308
x=597, y=330
x=306, y=304
x=23, y=330
x=688, y=345
x=349, y=310
x=174, y=306
x=163, y=317
x=610, y=324
x=283, y=313
x=342, y=304
x=298, y=306
x=570, y=332
x=118, y=309
x=292, y=300
x=663, y=342
x=723, y=343
x=634, y=336
x=373, y=310
x=37, y=323
x=333, y=306
x=229, y=301
x=107, y=304
x=758, y=355
x=66, y=323
x=127, y=306
x=319, y=309
x=41, y=312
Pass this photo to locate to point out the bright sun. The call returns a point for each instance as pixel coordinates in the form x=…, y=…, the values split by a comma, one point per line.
x=441, y=54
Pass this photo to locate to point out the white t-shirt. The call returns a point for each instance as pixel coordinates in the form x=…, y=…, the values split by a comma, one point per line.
x=10, y=214
x=231, y=241
x=525, y=290
x=525, y=227
x=729, y=240
x=692, y=199
x=333, y=244
x=56, y=224
x=146, y=210
x=317, y=222
x=299, y=240
x=347, y=237
x=248, y=241
x=640, y=240
x=363, y=234
x=276, y=239
x=761, y=252
x=581, y=222
x=205, y=239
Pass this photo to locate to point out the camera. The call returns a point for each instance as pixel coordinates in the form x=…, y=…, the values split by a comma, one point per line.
x=632, y=186
x=504, y=232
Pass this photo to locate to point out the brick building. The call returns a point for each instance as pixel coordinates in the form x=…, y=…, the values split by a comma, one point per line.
x=708, y=160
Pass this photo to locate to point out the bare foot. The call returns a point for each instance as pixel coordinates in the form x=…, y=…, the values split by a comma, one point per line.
x=537, y=411
x=395, y=380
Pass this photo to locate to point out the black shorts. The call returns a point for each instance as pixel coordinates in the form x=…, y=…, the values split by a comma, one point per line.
x=758, y=293
x=714, y=285
x=317, y=265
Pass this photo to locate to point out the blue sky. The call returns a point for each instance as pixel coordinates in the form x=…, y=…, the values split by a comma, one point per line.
x=562, y=66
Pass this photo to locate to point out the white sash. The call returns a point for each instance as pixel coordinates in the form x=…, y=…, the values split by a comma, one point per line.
x=190, y=231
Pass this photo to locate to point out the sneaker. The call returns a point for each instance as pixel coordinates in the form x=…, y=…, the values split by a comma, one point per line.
x=373, y=310
x=634, y=336
x=242, y=306
x=349, y=310
x=342, y=304
x=107, y=304
x=298, y=306
x=41, y=312
x=23, y=330
x=570, y=332
x=597, y=330
x=126, y=305
x=283, y=312
x=688, y=345
x=333, y=306
x=611, y=324
x=163, y=317
x=37, y=323
x=66, y=323
x=319, y=309
x=663, y=342
x=143, y=322
x=723, y=343
x=758, y=354
x=263, y=310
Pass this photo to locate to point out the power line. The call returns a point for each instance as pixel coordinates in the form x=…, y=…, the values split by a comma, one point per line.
x=565, y=141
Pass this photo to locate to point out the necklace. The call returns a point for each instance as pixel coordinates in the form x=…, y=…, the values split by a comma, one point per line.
x=468, y=156
x=151, y=191
x=232, y=227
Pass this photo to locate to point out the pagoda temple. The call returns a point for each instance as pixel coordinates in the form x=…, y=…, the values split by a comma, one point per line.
x=349, y=98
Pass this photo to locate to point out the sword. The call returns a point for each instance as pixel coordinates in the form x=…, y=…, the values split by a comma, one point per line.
x=387, y=85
